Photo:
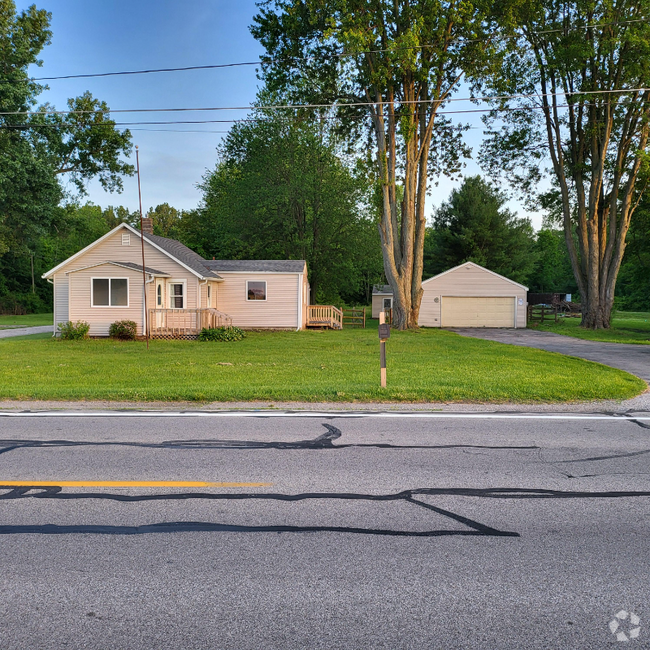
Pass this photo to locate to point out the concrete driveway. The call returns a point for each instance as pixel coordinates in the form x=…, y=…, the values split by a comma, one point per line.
x=629, y=357
x=23, y=331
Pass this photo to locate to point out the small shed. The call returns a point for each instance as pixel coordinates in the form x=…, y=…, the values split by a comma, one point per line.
x=469, y=295
x=382, y=299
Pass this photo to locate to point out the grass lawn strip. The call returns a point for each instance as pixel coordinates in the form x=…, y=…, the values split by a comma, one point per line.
x=428, y=365
x=27, y=320
x=630, y=327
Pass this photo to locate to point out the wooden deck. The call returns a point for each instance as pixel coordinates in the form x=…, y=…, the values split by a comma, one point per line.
x=326, y=316
x=184, y=323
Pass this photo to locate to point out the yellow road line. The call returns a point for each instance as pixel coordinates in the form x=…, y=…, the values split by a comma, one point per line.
x=131, y=484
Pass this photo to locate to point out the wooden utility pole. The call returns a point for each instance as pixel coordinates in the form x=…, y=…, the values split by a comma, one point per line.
x=144, y=274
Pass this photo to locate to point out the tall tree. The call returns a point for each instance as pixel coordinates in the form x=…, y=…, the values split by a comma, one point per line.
x=280, y=191
x=580, y=72
x=38, y=150
x=398, y=62
x=474, y=225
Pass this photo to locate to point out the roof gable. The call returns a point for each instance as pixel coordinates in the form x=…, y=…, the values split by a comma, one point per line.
x=476, y=266
x=169, y=247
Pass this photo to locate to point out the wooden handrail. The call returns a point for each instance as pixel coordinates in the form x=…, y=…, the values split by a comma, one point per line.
x=324, y=316
x=185, y=322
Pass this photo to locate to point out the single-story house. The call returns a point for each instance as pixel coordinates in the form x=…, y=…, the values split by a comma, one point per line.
x=468, y=295
x=103, y=283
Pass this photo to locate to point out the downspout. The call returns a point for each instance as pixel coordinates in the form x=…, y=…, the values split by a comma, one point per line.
x=51, y=281
x=199, y=319
x=145, y=322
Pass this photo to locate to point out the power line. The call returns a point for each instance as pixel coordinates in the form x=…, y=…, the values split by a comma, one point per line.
x=491, y=98
x=335, y=55
x=236, y=121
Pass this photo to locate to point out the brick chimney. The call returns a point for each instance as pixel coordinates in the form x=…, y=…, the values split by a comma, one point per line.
x=147, y=225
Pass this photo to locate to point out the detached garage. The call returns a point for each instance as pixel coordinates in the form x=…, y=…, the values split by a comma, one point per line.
x=466, y=296
x=472, y=296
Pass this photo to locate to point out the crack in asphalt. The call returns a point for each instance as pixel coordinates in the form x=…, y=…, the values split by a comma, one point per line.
x=322, y=442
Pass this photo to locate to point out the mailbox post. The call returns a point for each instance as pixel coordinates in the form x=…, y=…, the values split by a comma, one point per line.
x=384, y=335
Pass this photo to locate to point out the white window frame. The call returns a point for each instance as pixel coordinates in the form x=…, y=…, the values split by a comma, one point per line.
x=109, y=306
x=266, y=291
x=170, y=295
x=384, y=298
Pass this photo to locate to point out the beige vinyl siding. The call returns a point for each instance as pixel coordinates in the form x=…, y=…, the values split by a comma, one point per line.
x=61, y=295
x=305, y=300
x=100, y=318
x=378, y=302
x=111, y=249
x=278, y=311
x=472, y=282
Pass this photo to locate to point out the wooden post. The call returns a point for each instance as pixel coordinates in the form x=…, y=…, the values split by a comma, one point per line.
x=382, y=353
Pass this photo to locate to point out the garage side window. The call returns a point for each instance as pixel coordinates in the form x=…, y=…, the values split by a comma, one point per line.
x=255, y=290
x=388, y=304
x=110, y=292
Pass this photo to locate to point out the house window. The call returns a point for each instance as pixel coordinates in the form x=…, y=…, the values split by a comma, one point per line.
x=388, y=304
x=159, y=295
x=209, y=296
x=255, y=290
x=126, y=239
x=110, y=292
x=177, y=295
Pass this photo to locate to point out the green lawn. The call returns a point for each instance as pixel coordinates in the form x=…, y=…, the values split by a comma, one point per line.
x=425, y=365
x=627, y=327
x=28, y=320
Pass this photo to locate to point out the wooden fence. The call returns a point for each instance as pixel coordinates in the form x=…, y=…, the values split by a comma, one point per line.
x=542, y=313
x=354, y=317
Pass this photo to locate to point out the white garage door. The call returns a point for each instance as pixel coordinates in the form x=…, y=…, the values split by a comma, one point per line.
x=478, y=312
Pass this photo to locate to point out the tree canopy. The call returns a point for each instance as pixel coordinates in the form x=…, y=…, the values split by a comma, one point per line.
x=280, y=191
x=473, y=225
x=398, y=63
x=574, y=87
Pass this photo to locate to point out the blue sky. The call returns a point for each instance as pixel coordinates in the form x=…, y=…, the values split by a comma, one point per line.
x=91, y=37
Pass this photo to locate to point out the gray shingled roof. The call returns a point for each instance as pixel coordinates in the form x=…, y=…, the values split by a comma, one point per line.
x=382, y=288
x=257, y=266
x=183, y=254
x=138, y=267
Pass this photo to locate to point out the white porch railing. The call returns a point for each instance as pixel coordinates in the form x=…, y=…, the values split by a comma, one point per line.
x=185, y=322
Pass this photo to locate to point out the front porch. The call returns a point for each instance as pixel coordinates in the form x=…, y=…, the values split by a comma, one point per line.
x=184, y=323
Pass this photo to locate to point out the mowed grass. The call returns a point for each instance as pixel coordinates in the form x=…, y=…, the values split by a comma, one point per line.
x=627, y=327
x=423, y=366
x=27, y=320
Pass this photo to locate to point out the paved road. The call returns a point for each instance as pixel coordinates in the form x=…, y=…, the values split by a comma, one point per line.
x=629, y=357
x=23, y=331
x=425, y=531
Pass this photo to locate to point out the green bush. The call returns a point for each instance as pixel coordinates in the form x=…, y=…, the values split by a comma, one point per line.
x=125, y=330
x=221, y=334
x=74, y=331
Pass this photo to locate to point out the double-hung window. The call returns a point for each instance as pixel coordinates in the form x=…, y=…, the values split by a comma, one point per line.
x=176, y=295
x=110, y=292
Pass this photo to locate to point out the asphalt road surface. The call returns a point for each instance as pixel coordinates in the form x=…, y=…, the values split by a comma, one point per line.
x=324, y=532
